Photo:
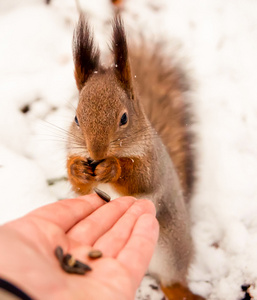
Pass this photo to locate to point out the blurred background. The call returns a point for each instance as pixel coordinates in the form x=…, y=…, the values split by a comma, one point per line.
x=216, y=42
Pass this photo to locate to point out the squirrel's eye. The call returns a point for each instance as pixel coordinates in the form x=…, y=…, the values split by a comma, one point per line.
x=124, y=119
x=76, y=120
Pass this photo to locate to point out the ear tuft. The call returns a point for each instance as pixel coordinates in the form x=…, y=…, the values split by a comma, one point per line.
x=121, y=59
x=85, y=54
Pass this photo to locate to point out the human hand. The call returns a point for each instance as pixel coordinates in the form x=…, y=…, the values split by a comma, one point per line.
x=125, y=230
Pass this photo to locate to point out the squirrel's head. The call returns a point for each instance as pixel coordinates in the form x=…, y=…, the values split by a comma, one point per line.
x=109, y=116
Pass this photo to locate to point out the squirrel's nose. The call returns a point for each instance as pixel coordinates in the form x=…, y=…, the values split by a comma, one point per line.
x=97, y=152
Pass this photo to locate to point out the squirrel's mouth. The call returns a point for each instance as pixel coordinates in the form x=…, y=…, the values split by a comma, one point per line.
x=93, y=163
x=89, y=160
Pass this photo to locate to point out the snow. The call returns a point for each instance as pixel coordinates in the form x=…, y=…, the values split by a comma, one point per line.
x=217, y=41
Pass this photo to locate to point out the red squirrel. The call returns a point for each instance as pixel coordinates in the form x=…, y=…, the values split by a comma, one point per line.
x=130, y=131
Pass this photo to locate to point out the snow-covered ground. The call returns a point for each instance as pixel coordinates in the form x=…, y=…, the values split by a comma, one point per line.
x=217, y=41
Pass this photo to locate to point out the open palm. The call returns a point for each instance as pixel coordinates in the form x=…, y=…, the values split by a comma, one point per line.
x=125, y=230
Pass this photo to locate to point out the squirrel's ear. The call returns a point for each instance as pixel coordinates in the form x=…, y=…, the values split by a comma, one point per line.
x=85, y=54
x=121, y=59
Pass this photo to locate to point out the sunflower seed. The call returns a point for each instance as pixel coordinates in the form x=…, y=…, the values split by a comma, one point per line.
x=102, y=195
x=69, y=264
x=95, y=254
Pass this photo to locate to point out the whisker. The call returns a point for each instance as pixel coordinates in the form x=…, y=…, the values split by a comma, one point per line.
x=63, y=142
x=151, y=134
x=63, y=138
x=71, y=106
x=67, y=132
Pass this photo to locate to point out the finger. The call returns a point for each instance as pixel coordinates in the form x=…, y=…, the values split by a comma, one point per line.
x=92, y=228
x=137, y=253
x=66, y=213
x=115, y=239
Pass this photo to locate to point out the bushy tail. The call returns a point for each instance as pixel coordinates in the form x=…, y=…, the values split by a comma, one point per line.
x=162, y=89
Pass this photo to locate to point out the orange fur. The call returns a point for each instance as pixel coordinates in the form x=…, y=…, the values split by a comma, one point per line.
x=80, y=175
x=108, y=170
x=179, y=292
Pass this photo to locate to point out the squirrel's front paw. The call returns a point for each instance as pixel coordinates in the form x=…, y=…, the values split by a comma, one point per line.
x=108, y=170
x=79, y=170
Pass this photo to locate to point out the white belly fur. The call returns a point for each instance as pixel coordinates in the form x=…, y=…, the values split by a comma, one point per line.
x=106, y=187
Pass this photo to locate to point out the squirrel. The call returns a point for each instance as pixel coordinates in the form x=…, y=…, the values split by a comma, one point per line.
x=130, y=131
